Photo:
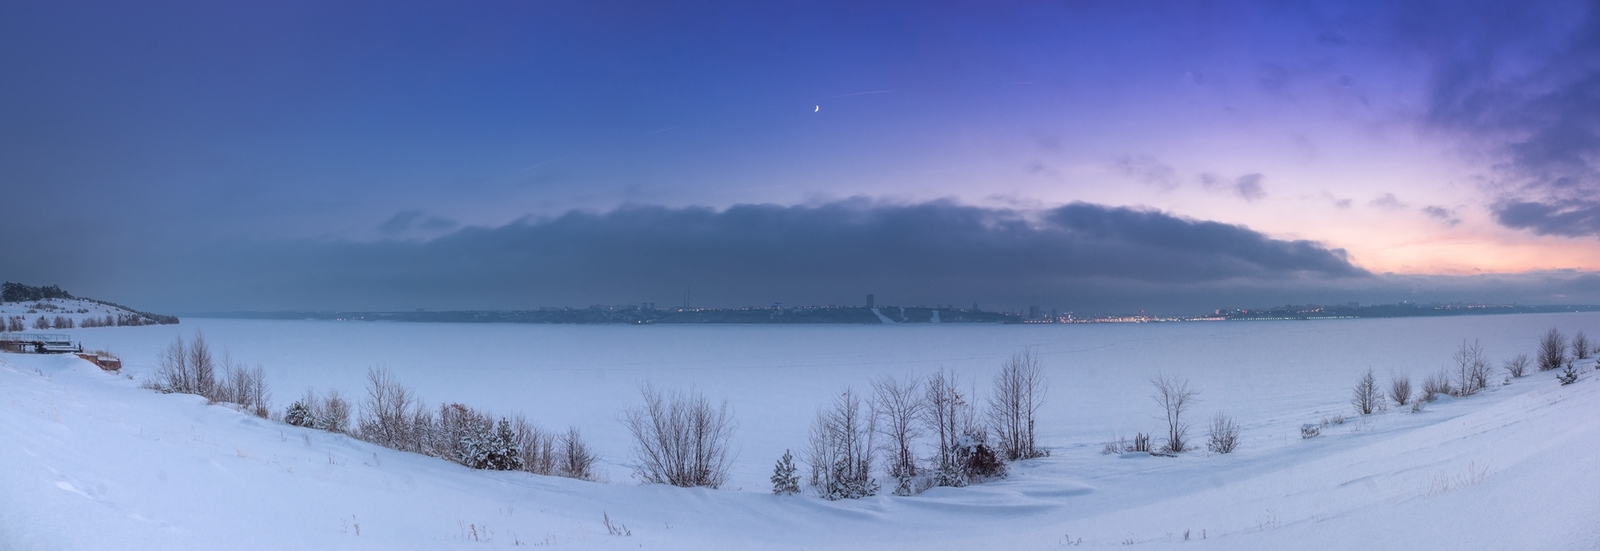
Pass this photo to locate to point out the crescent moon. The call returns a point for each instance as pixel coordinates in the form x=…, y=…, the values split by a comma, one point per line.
x=817, y=110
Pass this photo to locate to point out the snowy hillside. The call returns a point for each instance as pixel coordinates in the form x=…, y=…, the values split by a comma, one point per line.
x=94, y=462
x=81, y=313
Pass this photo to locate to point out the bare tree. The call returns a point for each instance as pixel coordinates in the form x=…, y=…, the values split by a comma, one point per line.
x=1224, y=434
x=680, y=439
x=575, y=459
x=1517, y=365
x=1472, y=369
x=387, y=414
x=1366, y=395
x=1581, y=347
x=840, y=455
x=896, y=407
x=172, y=369
x=1552, y=350
x=538, y=447
x=948, y=415
x=1400, y=389
x=1175, y=397
x=203, y=366
x=1019, y=392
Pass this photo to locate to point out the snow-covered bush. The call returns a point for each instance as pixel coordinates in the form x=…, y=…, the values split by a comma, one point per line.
x=979, y=461
x=1224, y=434
x=1310, y=430
x=1019, y=392
x=1400, y=389
x=1175, y=397
x=1366, y=396
x=1517, y=365
x=784, y=479
x=680, y=439
x=494, y=450
x=1552, y=352
x=299, y=415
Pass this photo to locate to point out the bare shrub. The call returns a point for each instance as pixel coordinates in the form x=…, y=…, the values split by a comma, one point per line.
x=679, y=439
x=1114, y=446
x=1581, y=347
x=896, y=407
x=1175, y=397
x=387, y=413
x=947, y=415
x=1517, y=365
x=1366, y=396
x=1552, y=352
x=334, y=413
x=575, y=459
x=246, y=386
x=1472, y=369
x=1310, y=430
x=1141, y=442
x=538, y=447
x=840, y=454
x=1436, y=384
x=1018, y=393
x=1400, y=389
x=1224, y=434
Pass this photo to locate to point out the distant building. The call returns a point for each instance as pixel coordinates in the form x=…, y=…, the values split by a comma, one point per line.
x=1033, y=312
x=871, y=302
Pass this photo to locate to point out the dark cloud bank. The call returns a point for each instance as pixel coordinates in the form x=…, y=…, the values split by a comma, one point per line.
x=1082, y=257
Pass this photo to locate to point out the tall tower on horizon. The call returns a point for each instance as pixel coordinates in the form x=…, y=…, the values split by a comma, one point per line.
x=870, y=301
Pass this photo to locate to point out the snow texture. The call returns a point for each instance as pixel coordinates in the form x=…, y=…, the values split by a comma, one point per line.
x=91, y=461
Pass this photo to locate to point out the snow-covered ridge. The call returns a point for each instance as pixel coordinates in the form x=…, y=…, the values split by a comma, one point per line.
x=77, y=312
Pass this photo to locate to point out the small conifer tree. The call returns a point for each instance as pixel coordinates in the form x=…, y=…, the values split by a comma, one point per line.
x=784, y=479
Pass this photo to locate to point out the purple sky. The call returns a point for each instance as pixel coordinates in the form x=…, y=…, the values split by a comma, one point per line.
x=1171, y=156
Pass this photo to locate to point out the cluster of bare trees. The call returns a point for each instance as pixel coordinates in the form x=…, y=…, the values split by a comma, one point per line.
x=16, y=323
x=191, y=368
x=905, y=415
x=393, y=416
x=840, y=451
x=1470, y=370
x=680, y=438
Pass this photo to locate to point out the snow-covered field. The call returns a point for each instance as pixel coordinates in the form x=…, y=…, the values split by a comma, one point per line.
x=90, y=461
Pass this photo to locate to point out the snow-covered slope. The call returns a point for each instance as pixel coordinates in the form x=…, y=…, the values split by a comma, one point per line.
x=76, y=309
x=90, y=461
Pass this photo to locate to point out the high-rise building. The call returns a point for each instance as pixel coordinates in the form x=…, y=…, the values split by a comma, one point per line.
x=870, y=302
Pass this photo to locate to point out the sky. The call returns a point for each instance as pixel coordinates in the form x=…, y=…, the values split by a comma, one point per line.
x=1169, y=156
